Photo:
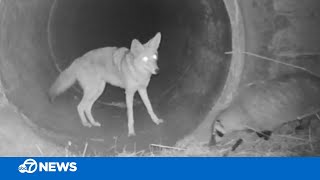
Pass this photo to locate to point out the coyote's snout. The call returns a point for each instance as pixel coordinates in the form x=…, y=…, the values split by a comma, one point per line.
x=130, y=69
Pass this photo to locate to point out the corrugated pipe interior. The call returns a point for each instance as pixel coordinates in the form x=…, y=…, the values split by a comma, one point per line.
x=39, y=38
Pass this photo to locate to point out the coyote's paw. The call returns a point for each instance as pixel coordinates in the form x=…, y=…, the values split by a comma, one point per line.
x=86, y=124
x=158, y=121
x=131, y=134
x=97, y=124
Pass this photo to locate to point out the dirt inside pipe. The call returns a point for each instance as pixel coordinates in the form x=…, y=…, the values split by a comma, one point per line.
x=42, y=37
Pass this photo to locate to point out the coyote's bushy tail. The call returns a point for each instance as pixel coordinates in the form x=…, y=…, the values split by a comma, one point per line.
x=64, y=81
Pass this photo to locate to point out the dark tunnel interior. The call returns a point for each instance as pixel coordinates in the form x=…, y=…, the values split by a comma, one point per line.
x=43, y=39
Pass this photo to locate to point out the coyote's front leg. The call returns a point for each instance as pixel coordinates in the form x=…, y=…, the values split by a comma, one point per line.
x=129, y=101
x=144, y=96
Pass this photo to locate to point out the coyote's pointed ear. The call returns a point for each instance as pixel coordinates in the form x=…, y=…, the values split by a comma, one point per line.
x=136, y=47
x=154, y=42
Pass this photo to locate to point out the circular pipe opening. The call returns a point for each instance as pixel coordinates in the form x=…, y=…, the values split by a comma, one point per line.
x=42, y=37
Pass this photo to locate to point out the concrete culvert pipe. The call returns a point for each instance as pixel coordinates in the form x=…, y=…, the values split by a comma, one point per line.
x=41, y=37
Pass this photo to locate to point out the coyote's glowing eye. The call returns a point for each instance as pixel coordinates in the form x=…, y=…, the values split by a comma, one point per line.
x=154, y=56
x=145, y=59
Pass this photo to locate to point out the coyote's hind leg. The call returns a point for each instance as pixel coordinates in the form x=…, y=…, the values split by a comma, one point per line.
x=91, y=96
x=81, y=112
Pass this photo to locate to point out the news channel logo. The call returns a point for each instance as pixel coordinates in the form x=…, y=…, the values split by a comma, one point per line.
x=30, y=166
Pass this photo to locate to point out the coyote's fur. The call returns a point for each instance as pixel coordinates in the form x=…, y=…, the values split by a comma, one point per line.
x=130, y=69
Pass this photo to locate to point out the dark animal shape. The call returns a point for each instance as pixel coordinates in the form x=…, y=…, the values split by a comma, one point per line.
x=266, y=105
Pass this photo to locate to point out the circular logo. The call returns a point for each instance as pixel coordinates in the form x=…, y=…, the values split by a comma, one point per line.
x=28, y=166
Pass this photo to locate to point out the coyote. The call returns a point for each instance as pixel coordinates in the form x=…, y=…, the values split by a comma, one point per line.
x=130, y=69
